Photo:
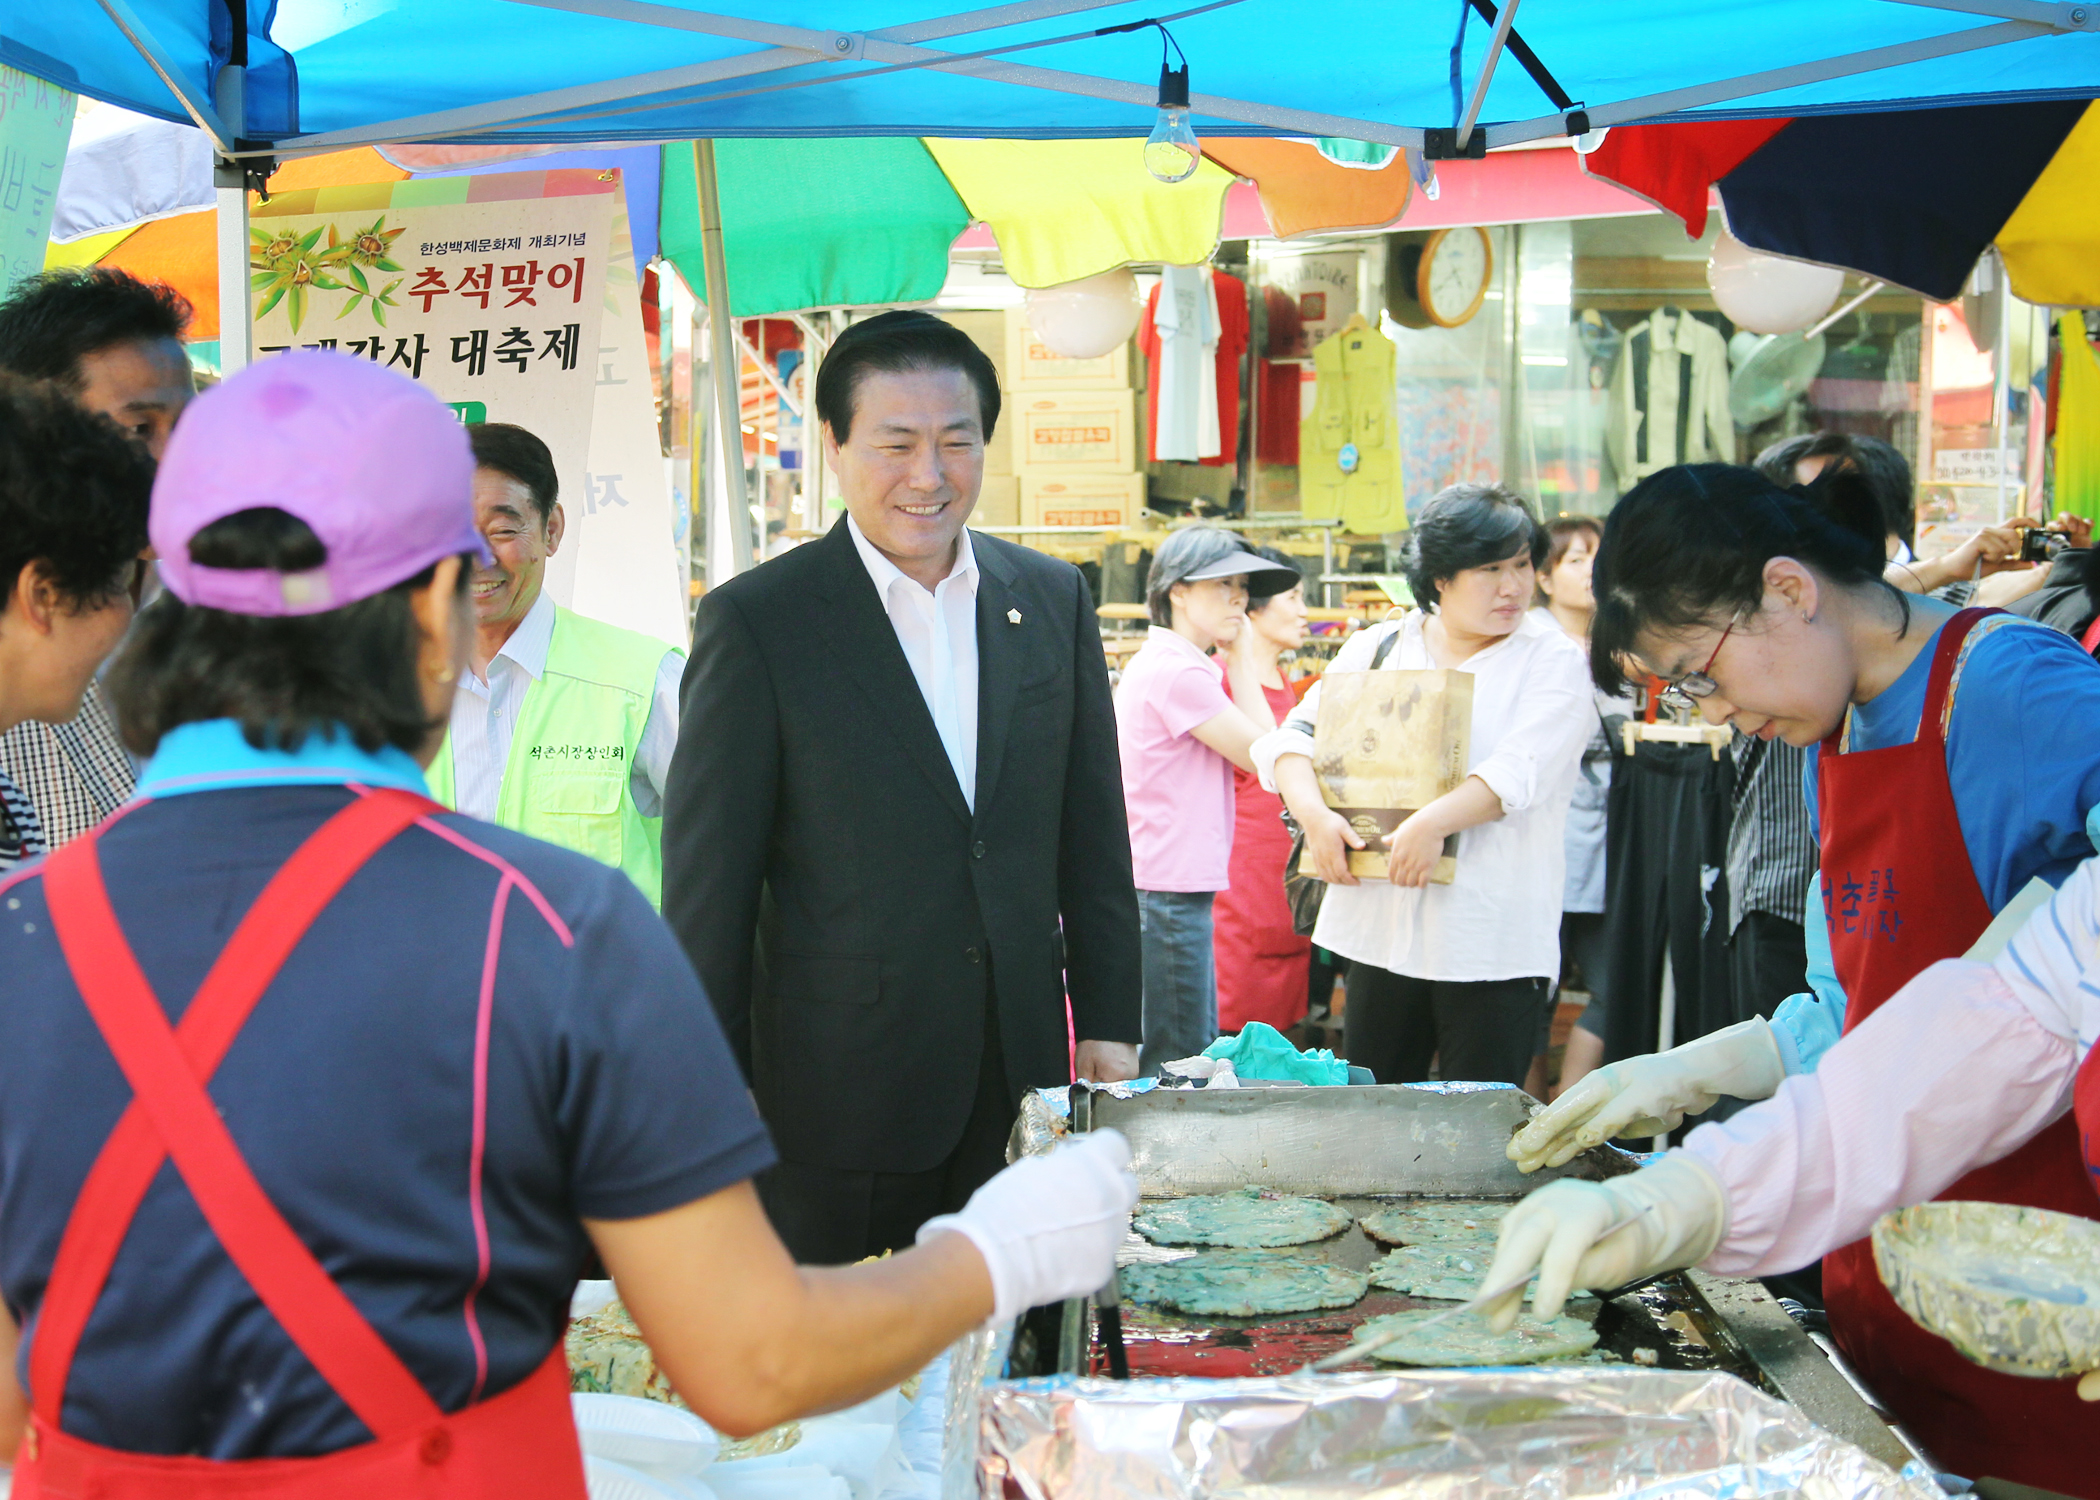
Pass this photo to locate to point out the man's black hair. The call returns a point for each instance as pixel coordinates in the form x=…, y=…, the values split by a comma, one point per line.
x=73, y=494
x=1467, y=526
x=49, y=323
x=1884, y=468
x=896, y=342
x=281, y=678
x=511, y=450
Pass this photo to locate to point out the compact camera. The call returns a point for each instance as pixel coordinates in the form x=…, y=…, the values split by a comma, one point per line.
x=2039, y=544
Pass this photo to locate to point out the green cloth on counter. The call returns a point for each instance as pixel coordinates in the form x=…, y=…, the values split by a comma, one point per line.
x=1261, y=1051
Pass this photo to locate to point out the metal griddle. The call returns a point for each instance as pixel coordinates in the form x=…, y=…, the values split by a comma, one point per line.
x=1369, y=1147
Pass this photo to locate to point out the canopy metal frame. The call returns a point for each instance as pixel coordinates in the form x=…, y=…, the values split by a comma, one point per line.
x=783, y=47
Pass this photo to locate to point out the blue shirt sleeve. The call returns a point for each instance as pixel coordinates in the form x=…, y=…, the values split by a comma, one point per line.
x=2026, y=785
x=2023, y=751
x=1806, y=1026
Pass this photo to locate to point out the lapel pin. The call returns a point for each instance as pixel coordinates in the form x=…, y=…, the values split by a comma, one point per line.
x=1013, y=617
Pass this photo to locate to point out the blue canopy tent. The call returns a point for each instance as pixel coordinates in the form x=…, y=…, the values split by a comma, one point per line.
x=329, y=73
x=276, y=78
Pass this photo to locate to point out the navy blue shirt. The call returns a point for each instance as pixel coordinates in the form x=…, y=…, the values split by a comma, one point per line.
x=610, y=1094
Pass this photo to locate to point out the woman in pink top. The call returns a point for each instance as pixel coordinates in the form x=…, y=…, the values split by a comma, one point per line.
x=1262, y=959
x=1181, y=733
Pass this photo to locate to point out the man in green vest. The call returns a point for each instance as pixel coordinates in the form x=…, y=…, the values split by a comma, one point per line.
x=565, y=726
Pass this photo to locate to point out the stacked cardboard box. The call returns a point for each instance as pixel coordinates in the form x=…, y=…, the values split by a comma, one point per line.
x=999, y=502
x=1075, y=432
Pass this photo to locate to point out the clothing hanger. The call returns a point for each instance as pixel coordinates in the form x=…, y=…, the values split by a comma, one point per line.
x=1716, y=737
x=1671, y=731
x=1356, y=324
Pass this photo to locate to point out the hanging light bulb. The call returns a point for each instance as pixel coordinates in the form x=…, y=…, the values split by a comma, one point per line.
x=1171, y=151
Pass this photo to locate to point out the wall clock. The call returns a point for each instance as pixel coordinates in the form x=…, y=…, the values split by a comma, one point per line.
x=1451, y=279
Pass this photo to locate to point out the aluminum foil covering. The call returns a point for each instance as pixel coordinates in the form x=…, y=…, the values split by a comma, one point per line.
x=1046, y=1114
x=1433, y=1434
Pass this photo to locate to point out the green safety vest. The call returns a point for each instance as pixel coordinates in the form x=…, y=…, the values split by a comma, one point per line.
x=565, y=779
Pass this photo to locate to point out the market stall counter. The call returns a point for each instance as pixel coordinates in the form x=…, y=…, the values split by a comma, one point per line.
x=1681, y=1343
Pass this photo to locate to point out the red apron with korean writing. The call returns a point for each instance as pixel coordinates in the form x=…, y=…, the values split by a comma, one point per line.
x=520, y=1445
x=1900, y=894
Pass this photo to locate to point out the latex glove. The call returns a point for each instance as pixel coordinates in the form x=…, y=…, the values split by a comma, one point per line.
x=1647, y=1096
x=1049, y=1226
x=1678, y=1212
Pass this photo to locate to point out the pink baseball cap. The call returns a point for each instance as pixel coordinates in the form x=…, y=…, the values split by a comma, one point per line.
x=373, y=462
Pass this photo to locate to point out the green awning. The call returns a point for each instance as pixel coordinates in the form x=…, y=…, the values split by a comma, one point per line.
x=816, y=222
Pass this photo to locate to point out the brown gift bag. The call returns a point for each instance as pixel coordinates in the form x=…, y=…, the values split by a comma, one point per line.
x=1387, y=743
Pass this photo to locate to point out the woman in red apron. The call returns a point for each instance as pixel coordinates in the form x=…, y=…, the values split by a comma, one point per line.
x=315, y=1099
x=1958, y=756
x=1261, y=959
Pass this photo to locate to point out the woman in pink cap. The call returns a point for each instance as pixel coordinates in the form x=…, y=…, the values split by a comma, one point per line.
x=409, y=1070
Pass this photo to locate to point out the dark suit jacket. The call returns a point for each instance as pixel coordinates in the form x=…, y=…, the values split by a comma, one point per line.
x=841, y=902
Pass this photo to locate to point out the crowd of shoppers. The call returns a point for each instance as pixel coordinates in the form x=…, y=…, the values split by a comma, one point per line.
x=915, y=858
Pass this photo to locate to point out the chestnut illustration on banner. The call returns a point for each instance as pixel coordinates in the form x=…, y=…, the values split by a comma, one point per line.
x=1767, y=293
x=1087, y=318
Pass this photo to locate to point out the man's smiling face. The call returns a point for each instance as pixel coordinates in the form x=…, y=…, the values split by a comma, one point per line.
x=912, y=465
x=522, y=542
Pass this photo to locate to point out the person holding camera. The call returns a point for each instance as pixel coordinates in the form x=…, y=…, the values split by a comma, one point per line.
x=1954, y=758
x=1994, y=565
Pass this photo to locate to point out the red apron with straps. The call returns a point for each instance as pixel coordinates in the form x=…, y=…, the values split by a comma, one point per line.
x=1900, y=894
x=520, y=1444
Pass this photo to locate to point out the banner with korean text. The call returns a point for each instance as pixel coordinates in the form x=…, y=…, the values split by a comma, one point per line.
x=36, y=121
x=488, y=290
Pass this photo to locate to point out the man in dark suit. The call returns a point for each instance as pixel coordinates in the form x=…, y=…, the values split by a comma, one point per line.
x=893, y=835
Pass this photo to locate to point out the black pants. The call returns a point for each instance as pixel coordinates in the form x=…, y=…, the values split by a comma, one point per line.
x=828, y=1216
x=1667, y=834
x=1767, y=961
x=1484, y=1031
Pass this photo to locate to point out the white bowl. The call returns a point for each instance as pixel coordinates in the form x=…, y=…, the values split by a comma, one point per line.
x=2015, y=1289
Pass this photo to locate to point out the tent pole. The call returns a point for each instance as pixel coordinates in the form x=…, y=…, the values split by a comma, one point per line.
x=236, y=326
x=1506, y=19
x=727, y=360
x=236, y=320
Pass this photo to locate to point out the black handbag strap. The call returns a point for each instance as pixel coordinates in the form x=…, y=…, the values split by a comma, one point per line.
x=1385, y=647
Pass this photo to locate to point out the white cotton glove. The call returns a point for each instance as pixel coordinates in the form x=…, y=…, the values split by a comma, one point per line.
x=1049, y=1226
x=1647, y=1096
x=1679, y=1215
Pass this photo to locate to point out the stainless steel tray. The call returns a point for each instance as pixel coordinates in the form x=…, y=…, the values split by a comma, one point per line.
x=1384, y=1142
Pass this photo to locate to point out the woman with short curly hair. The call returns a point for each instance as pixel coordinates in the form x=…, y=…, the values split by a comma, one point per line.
x=73, y=493
x=1458, y=972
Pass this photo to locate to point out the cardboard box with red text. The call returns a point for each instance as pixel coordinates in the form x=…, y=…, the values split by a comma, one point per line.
x=1093, y=429
x=1051, y=497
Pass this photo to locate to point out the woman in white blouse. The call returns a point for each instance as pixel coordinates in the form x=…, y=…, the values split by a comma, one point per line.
x=1457, y=972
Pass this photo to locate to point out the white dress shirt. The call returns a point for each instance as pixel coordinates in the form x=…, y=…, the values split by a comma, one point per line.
x=485, y=715
x=1500, y=918
x=937, y=628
